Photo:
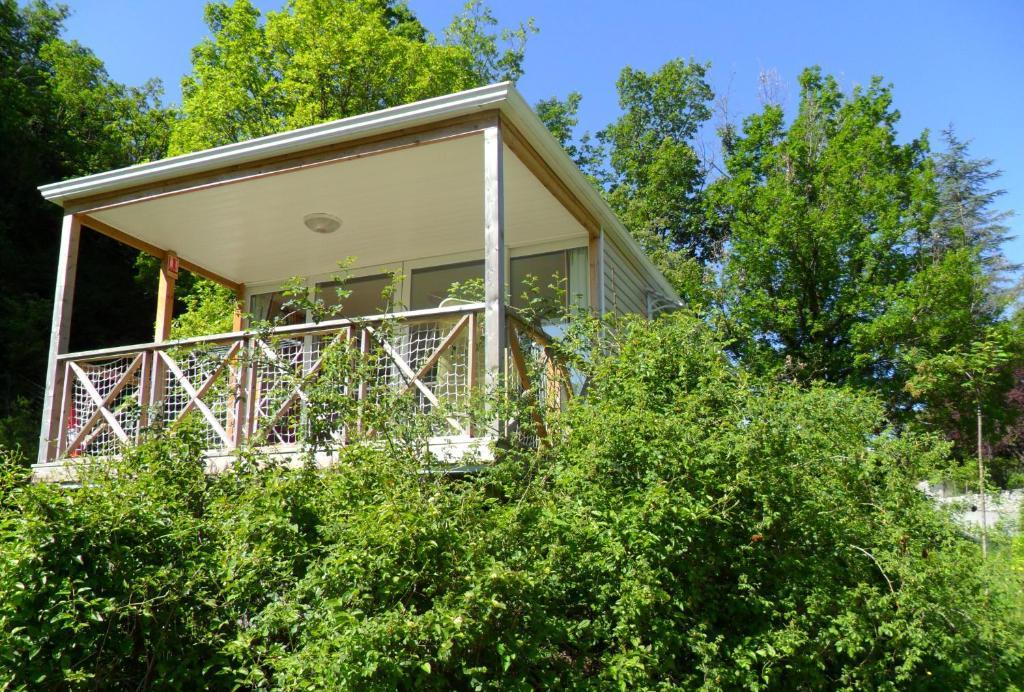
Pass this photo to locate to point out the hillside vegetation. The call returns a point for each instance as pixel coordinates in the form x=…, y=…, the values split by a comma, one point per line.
x=689, y=525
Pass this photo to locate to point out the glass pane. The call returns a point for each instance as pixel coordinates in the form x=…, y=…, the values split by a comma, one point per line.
x=366, y=297
x=547, y=269
x=270, y=307
x=431, y=287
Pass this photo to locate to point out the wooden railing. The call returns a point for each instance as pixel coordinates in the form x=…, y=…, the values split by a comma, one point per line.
x=252, y=387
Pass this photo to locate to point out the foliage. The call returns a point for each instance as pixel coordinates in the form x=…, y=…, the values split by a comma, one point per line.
x=646, y=165
x=822, y=215
x=689, y=525
x=61, y=115
x=658, y=177
x=314, y=61
x=965, y=216
x=823, y=250
x=942, y=306
x=971, y=373
x=209, y=308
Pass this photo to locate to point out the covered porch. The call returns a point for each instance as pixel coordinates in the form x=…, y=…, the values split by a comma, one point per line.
x=457, y=190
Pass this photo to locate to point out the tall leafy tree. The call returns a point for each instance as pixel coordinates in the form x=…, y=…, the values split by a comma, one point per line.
x=646, y=165
x=928, y=347
x=316, y=60
x=656, y=176
x=61, y=115
x=973, y=373
x=941, y=307
x=822, y=214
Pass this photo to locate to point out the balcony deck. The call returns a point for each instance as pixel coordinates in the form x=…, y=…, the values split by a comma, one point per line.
x=253, y=388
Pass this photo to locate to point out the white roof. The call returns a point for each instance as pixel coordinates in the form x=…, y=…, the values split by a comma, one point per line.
x=501, y=96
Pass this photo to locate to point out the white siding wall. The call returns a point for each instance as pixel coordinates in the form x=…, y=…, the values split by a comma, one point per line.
x=625, y=289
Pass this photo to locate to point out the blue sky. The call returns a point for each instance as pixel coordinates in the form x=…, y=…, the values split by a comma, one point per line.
x=950, y=62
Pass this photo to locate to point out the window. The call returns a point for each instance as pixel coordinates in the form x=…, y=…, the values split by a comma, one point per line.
x=432, y=286
x=366, y=297
x=565, y=271
x=272, y=307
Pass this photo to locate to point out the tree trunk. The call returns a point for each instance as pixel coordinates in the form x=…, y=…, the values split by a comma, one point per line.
x=981, y=489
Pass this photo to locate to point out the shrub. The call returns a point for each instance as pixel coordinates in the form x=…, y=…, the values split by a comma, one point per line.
x=687, y=525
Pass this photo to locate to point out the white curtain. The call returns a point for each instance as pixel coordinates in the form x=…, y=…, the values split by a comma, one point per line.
x=579, y=281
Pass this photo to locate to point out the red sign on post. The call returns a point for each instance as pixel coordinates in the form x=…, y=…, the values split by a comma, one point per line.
x=171, y=264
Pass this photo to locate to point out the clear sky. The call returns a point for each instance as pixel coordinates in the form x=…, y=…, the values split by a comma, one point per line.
x=951, y=62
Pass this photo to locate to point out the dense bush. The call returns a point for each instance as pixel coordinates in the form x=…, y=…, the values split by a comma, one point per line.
x=687, y=526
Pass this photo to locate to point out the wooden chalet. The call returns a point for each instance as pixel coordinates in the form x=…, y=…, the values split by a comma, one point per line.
x=469, y=185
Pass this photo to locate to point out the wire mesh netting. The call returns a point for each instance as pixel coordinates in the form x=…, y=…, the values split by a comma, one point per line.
x=396, y=352
x=82, y=410
x=276, y=364
x=413, y=344
x=198, y=365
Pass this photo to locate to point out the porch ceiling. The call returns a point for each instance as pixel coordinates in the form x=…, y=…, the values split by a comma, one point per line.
x=417, y=202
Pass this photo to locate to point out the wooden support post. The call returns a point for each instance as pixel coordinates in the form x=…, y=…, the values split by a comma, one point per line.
x=165, y=296
x=472, y=361
x=495, y=334
x=236, y=318
x=145, y=390
x=169, y=266
x=236, y=380
x=364, y=354
x=60, y=334
x=594, y=269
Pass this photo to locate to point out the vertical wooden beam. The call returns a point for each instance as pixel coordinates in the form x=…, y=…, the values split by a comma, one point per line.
x=59, y=434
x=60, y=333
x=495, y=335
x=165, y=296
x=236, y=318
x=237, y=379
x=364, y=386
x=164, y=314
x=241, y=394
x=601, y=279
x=594, y=269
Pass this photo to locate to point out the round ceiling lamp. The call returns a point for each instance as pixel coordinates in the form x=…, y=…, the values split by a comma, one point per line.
x=320, y=222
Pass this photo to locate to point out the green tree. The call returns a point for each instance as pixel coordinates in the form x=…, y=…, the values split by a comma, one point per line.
x=822, y=215
x=657, y=178
x=646, y=165
x=976, y=370
x=965, y=215
x=314, y=61
x=60, y=116
x=956, y=299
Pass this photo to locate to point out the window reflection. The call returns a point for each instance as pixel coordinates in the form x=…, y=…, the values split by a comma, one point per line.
x=433, y=286
x=366, y=296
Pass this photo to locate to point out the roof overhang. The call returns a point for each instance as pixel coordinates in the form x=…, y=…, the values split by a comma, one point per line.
x=88, y=193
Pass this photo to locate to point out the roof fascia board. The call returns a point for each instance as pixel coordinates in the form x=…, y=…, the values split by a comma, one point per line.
x=282, y=144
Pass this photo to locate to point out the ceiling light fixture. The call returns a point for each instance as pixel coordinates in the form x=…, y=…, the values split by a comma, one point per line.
x=320, y=222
